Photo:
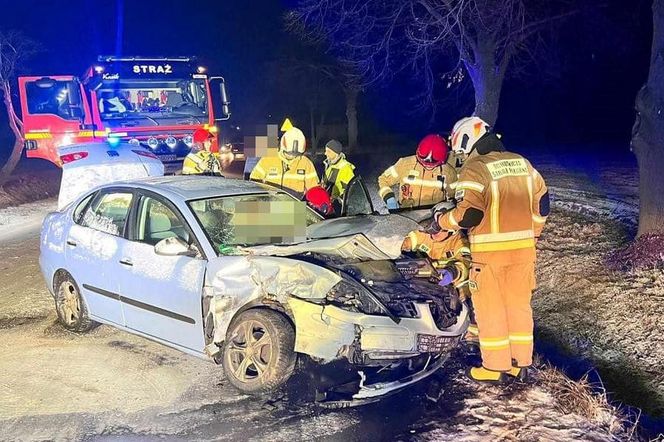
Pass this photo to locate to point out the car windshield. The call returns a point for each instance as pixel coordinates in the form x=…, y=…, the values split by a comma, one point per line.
x=127, y=103
x=251, y=220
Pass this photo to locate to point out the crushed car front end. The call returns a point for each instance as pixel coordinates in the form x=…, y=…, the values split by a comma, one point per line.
x=392, y=330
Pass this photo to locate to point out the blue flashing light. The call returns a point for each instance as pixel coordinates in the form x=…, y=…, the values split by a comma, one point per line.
x=114, y=141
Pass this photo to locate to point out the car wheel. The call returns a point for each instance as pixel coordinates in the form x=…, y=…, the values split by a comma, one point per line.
x=72, y=312
x=259, y=353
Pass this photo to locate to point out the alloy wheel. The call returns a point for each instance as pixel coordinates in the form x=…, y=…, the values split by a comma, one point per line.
x=69, y=305
x=250, y=351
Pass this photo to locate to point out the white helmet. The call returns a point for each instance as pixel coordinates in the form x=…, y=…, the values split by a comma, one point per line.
x=293, y=142
x=465, y=134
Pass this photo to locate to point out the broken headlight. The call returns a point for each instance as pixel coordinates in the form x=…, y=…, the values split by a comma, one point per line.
x=350, y=295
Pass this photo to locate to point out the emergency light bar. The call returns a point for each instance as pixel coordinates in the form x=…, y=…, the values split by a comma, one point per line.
x=112, y=58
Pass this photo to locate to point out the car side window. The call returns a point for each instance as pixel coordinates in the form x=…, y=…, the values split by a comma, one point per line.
x=108, y=213
x=356, y=200
x=156, y=221
x=81, y=207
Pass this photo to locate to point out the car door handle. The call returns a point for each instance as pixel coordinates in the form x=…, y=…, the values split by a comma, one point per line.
x=126, y=262
x=71, y=243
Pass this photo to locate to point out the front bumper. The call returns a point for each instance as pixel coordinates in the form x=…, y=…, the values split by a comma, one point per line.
x=372, y=345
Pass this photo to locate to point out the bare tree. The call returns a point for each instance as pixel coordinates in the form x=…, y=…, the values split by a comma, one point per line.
x=648, y=133
x=343, y=71
x=379, y=38
x=14, y=49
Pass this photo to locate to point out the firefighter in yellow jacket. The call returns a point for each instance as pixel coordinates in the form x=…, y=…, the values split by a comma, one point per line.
x=424, y=179
x=338, y=170
x=201, y=160
x=290, y=168
x=450, y=253
x=503, y=202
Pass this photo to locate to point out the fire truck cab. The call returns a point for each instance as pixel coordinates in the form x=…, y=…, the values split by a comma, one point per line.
x=154, y=102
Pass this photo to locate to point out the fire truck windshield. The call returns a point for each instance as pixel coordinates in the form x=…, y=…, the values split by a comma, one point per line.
x=145, y=102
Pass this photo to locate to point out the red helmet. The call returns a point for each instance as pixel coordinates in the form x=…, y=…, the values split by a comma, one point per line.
x=201, y=135
x=318, y=199
x=432, y=151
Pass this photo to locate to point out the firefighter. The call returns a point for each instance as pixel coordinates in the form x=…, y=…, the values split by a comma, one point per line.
x=424, y=178
x=338, y=170
x=450, y=253
x=290, y=168
x=201, y=160
x=503, y=202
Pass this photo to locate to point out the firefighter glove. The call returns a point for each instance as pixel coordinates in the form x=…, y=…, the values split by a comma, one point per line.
x=446, y=277
x=391, y=203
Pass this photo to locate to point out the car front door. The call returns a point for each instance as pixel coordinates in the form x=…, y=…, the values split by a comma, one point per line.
x=162, y=295
x=93, y=243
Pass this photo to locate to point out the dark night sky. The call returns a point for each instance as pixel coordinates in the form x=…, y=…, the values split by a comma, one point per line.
x=585, y=97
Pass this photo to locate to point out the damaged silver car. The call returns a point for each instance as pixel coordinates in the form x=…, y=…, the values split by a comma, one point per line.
x=248, y=276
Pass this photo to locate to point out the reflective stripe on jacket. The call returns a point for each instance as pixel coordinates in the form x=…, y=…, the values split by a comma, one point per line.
x=505, y=191
x=338, y=175
x=417, y=185
x=203, y=161
x=299, y=174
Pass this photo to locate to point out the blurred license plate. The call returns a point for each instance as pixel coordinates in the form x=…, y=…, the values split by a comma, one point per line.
x=168, y=157
x=434, y=344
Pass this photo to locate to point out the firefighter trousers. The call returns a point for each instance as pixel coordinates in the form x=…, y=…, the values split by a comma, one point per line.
x=501, y=296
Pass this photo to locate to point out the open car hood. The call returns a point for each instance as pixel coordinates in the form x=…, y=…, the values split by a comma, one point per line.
x=372, y=237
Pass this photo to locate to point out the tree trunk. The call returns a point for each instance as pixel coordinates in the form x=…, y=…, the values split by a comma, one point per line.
x=352, y=93
x=648, y=133
x=487, y=76
x=14, y=124
x=312, y=127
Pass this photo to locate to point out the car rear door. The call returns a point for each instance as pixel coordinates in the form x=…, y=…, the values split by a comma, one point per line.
x=93, y=246
x=162, y=295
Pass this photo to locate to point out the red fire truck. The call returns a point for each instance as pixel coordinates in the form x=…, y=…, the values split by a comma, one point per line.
x=155, y=102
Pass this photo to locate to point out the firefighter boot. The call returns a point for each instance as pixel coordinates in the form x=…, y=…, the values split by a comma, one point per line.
x=483, y=375
x=520, y=373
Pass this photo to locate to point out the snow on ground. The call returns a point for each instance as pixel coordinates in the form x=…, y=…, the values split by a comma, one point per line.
x=18, y=221
x=615, y=321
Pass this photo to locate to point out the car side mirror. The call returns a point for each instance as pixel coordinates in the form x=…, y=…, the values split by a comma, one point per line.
x=175, y=246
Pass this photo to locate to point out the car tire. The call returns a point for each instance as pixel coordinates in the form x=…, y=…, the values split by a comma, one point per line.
x=269, y=360
x=70, y=307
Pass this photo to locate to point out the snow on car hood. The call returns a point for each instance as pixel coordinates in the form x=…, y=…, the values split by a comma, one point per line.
x=371, y=237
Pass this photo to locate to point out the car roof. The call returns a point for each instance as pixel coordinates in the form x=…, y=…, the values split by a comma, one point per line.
x=192, y=187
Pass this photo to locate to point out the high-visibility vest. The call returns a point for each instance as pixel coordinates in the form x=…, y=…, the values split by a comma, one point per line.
x=201, y=162
x=338, y=175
